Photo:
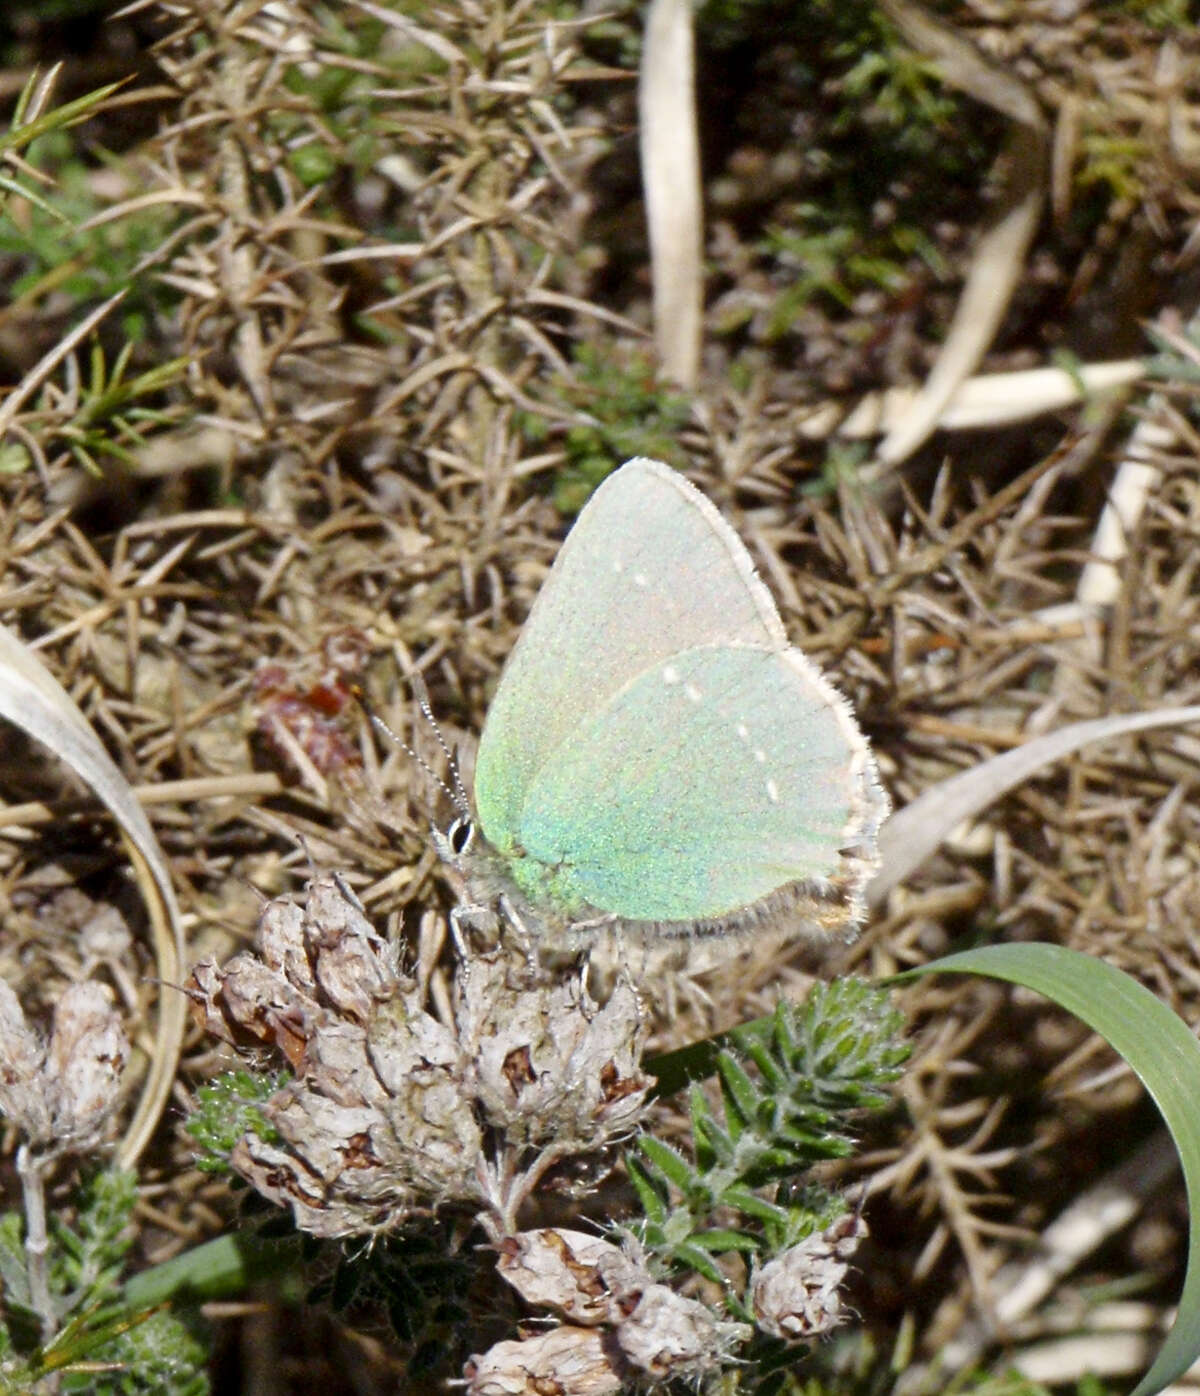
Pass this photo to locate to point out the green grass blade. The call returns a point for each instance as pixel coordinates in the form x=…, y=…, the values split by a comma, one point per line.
x=57, y=117
x=218, y=1269
x=1160, y=1048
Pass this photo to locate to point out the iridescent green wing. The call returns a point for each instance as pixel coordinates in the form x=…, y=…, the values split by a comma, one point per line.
x=714, y=779
x=649, y=569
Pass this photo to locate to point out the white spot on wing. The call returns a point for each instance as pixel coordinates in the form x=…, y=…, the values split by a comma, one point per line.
x=760, y=755
x=670, y=674
x=743, y=731
x=772, y=792
x=693, y=693
x=640, y=580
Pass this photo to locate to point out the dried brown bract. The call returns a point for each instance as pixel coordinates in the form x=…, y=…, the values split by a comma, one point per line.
x=582, y=1277
x=393, y=1111
x=564, y=1360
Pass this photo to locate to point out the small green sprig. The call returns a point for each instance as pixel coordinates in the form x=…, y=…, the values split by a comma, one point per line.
x=33, y=117
x=789, y=1088
x=107, y=416
x=227, y=1107
x=101, y=1346
x=621, y=409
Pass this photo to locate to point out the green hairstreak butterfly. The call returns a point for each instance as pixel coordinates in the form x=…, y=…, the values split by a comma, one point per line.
x=657, y=755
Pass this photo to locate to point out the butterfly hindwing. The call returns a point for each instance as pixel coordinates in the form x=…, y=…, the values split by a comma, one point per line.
x=656, y=752
x=710, y=781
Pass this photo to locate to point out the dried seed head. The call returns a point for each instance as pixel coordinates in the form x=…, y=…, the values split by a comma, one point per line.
x=651, y=1331
x=23, y=1097
x=550, y=1064
x=666, y=1335
x=87, y=1053
x=565, y=1361
x=797, y=1296
x=354, y=966
x=377, y=1118
x=390, y=1106
x=61, y=1094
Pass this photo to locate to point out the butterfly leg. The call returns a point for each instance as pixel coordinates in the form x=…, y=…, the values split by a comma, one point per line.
x=473, y=916
x=524, y=939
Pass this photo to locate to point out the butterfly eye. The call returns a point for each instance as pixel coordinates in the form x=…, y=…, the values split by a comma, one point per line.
x=461, y=835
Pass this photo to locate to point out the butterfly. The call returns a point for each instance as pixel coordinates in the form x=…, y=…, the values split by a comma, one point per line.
x=657, y=755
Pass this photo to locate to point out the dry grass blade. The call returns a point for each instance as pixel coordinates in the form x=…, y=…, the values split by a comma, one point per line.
x=988, y=400
x=430, y=39
x=996, y=267
x=671, y=184
x=995, y=272
x=963, y=66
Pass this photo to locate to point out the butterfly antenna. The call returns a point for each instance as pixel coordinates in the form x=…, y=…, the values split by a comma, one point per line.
x=456, y=792
x=459, y=793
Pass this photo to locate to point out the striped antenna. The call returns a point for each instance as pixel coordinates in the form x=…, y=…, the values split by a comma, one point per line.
x=456, y=791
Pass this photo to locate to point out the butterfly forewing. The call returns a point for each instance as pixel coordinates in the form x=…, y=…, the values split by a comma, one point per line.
x=650, y=569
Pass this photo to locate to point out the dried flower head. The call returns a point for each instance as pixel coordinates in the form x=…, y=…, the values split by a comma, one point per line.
x=548, y=1063
x=23, y=1097
x=60, y=1093
x=797, y=1296
x=564, y=1361
x=393, y=1110
x=650, y=1332
x=584, y=1278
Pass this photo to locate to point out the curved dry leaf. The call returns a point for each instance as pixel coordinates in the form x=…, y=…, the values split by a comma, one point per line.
x=912, y=834
x=414, y=33
x=34, y=700
x=1000, y=254
x=964, y=66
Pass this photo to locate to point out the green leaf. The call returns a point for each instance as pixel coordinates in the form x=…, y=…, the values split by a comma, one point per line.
x=713, y=1147
x=761, y=1054
x=752, y=1205
x=705, y=1151
x=14, y=459
x=14, y=1266
x=719, y=1239
x=671, y=1164
x=216, y=1269
x=650, y=1191
x=739, y=1092
x=1159, y=1046
x=774, y=1163
x=699, y=1260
